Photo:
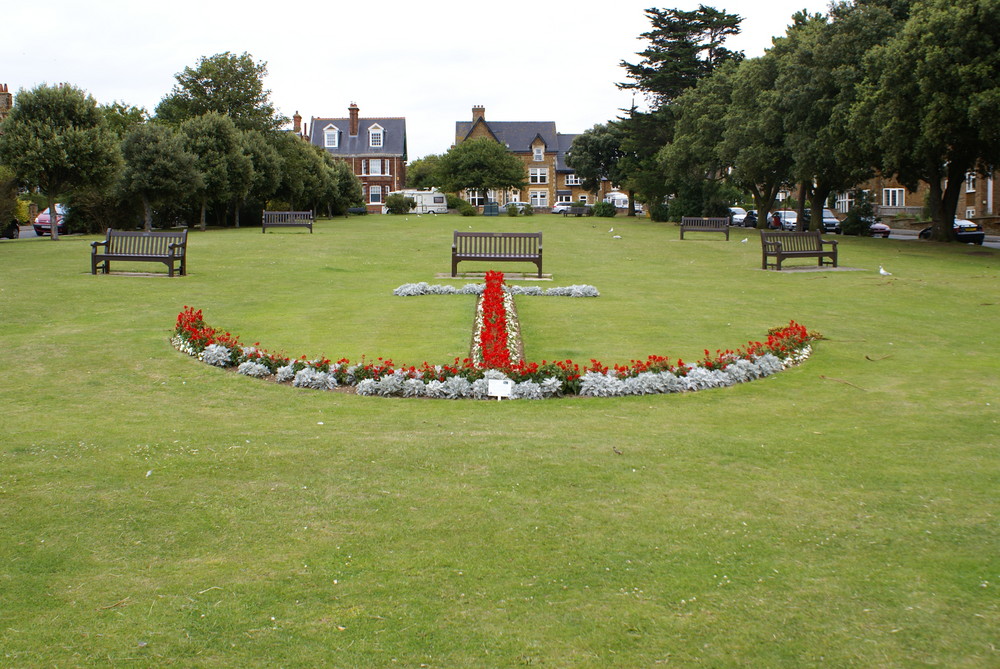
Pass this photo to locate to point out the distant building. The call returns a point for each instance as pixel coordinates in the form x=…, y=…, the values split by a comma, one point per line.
x=6, y=101
x=542, y=150
x=375, y=148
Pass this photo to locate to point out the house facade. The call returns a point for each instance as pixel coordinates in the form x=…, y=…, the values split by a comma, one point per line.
x=375, y=148
x=977, y=201
x=542, y=150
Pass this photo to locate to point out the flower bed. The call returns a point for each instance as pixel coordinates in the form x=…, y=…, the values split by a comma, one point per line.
x=496, y=354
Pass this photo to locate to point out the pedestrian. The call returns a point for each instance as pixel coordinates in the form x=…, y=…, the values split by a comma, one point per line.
x=775, y=221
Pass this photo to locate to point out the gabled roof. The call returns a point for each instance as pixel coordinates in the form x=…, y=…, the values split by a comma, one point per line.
x=516, y=135
x=565, y=142
x=393, y=138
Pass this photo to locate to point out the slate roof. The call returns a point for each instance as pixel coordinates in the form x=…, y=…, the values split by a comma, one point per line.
x=517, y=135
x=393, y=138
x=565, y=142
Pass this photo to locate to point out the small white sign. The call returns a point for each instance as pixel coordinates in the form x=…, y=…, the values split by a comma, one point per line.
x=500, y=388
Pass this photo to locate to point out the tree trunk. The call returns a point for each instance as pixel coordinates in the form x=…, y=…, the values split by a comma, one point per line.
x=820, y=193
x=949, y=200
x=53, y=219
x=147, y=209
x=204, y=205
x=631, y=203
x=800, y=210
x=236, y=214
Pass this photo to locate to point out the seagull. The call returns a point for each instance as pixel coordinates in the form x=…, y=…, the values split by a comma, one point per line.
x=881, y=270
x=617, y=237
x=744, y=240
x=611, y=230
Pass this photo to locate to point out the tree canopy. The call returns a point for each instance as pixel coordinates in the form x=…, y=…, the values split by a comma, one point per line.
x=480, y=165
x=56, y=139
x=158, y=168
x=226, y=84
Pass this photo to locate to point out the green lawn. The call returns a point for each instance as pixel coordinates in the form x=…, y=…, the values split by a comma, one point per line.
x=155, y=511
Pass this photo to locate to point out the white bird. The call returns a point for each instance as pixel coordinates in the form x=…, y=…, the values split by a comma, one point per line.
x=881, y=270
x=744, y=240
x=611, y=230
x=617, y=237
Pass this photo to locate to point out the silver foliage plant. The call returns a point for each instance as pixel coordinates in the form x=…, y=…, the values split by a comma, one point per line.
x=424, y=288
x=311, y=378
x=254, y=369
x=216, y=355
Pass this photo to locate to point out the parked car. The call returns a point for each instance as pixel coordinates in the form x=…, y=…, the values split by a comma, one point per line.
x=561, y=207
x=965, y=231
x=879, y=229
x=43, y=225
x=750, y=220
x=620, y=200
x=12, y=230
x=789, y=219
x=830, y=222
x=520, y=206
x=737, y=215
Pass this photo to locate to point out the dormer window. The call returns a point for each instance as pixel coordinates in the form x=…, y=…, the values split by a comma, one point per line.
x=375, y=136
x=331, y=137
x=539, y=153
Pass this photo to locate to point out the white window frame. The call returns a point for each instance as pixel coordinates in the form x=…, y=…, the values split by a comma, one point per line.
x=563, y=198
x=375, y=167
x=970, y=212
x=970, y=182
x=845, y=201
x=376, y=136
x=375, y=195
x=538, y=175
x=572, y=179
x=893, y=197
x=331, y=137
x=538, y=198
x=538, y=153
x=584, y=199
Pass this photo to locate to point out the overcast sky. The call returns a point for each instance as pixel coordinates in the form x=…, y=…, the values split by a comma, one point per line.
x=430, y=62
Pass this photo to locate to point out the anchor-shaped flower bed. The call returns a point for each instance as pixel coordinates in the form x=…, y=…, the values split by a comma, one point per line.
x=496, y=354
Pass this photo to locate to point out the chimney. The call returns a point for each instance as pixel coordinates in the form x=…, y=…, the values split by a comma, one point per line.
x=353, y=111
x=297, y=124
x=6, y=101
x=478, y=112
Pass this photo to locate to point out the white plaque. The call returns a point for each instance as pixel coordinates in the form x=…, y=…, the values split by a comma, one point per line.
x=500, y=388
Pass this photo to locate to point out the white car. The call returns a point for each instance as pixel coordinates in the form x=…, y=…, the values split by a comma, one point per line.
x=737, y=215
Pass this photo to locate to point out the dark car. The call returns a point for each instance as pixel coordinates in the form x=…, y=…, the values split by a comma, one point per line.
x=750, y=220
x=965, y=231
x=830, y=222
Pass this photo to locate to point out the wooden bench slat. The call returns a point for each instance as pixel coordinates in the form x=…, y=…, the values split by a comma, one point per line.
x=169, y=248
x=503, y=246
x=700, y=224
x=286, y=219
x=808, y=244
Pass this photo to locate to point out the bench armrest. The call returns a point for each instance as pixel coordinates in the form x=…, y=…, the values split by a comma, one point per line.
x=94, y=245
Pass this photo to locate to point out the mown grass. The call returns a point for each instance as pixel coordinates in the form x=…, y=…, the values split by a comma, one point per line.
x=158, y=512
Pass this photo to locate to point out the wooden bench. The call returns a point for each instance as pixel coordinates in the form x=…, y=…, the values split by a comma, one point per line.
x=497, y=246
x=808, y=244
x=697, y=224
x=286, y=219
x=169, y=248
x=576, y=211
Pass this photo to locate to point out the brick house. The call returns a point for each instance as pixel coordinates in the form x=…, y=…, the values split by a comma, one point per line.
x=978, y=200
x=542, y=150
x=375, y=148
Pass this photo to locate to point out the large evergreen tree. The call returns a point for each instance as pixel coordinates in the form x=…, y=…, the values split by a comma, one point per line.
x=158, y=168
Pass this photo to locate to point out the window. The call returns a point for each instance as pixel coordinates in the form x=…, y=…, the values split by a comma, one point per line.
x=538, y=153
x=893, y=197
x=473, y=197
x=538, y=175
x=539, y=198
x=572, y=180
x=583, y=199
x=375, y=167
x=375, y=194
x=375, y=134
x=970, y=212
x=845, y=201
x=331, y=137
x=564, y=198
x=970, y=182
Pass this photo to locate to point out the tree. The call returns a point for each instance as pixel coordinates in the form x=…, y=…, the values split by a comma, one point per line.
x=302, y=169
x=227, y=84
x=121, y=118
x=685, y=46
x=158, y=168
x=266, y=163
x=819, y=69
x=929, y=100
x=423, y=172
x=596, y=154
x=56, y=140
x=480, y=165
x=225, y=169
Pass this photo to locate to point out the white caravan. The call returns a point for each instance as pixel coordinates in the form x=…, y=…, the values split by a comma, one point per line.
x=425, y=201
